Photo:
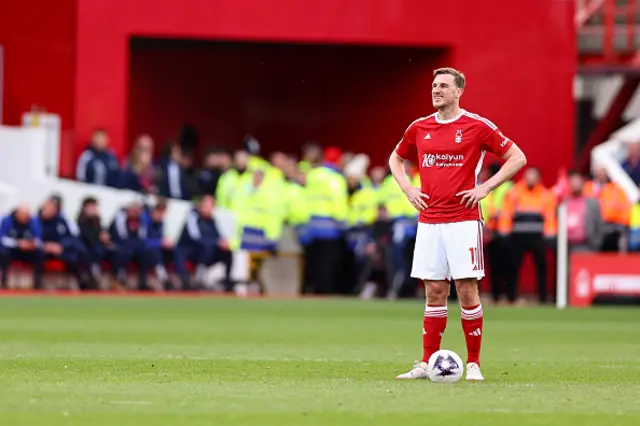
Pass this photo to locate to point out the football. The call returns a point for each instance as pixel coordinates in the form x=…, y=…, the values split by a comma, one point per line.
x=445, y=367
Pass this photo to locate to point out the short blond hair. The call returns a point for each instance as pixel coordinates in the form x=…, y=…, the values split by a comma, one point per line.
x=458, y=77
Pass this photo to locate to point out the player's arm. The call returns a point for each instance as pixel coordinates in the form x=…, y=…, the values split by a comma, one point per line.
x=504, y=147
x=514, y=161
x=396, y=164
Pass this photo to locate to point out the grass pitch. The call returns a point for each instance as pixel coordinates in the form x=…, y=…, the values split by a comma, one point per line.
x=158, y=361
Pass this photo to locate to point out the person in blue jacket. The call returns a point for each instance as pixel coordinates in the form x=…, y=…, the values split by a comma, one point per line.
x=98, y=164
x=128, y=233
x=159, y=248
x=21, y=240
x=174, y=181
x=201, y=244
x=61, y=241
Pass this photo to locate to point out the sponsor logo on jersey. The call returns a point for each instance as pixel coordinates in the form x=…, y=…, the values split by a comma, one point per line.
x=442, y=160
x=427, y=137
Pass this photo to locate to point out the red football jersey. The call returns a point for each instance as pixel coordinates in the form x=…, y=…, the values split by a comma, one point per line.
x=449, y=157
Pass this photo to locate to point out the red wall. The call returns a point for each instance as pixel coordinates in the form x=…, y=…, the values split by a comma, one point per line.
x=518, y=78
x=283, y=94
x=39, y=60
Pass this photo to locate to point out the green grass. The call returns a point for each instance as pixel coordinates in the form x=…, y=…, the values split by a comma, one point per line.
x=110, y=361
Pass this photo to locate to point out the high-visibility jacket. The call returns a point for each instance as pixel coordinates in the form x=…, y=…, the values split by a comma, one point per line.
x=226, y=188
x=528, y=211
x=259, y=218
x=492, y=204
x=399, y=208
x=363, y=207
x=258, y=163
x=634, y=228
x=395, y=201
x=489, y=211
x=416, y=180
x=296, y=212
x=305, y=166
x=614, y=205
x=326, y=195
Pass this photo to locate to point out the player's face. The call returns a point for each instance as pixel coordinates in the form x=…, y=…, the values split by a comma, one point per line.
x=444, y=92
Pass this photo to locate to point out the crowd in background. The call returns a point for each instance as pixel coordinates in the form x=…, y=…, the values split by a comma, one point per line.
x=134, y=237
x=353, y=222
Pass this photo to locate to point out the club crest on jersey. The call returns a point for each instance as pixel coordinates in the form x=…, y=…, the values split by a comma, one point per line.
x=458, y=136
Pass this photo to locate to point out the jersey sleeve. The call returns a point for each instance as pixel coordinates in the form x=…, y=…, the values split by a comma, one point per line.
x=495, y=141
x=406, y=148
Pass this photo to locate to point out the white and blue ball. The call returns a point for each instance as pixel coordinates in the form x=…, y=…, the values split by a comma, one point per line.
x=445, y=366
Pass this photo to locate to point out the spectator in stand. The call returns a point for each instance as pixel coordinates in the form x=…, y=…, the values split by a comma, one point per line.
x=632, y=164
x=496, y=248
x=345, y=159
x=95, y=239
x=634, y=228
x=310, y=151
x=278, y=164
x=362, y=213
x=232, y=178
x=138, y=173
x=60, y=241
x=528, y=216
x=216, y=163
x=614, y=207
x=377, y=271
x=98, y=164
x=21, y=240
x=128, y=233
x=326, y=192
x=174, y=182
x=159, y=248
x=201, y=244
x=377, y=175
x=584, y=221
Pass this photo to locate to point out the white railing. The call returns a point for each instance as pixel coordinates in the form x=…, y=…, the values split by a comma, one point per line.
x=562, y=269
x=613, y=152
x=585, y=9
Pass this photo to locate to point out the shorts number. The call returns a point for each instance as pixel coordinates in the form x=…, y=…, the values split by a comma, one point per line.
x=473, y=252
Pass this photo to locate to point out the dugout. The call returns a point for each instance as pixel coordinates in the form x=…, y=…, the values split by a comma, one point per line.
x=357, y=97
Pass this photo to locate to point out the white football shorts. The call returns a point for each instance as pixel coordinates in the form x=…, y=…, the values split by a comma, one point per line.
x=448, y=250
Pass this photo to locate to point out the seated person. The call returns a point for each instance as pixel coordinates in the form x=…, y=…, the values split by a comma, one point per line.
x=95, y=239
x=128, y=233
x=60, y=241
x=201, y=243
x=158, y=247
x=21, y=240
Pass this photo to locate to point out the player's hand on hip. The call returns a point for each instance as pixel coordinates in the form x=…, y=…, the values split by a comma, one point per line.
x=417, y=198
x=471, y=197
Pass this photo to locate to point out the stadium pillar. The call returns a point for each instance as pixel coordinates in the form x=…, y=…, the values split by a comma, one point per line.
x=610, y=121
